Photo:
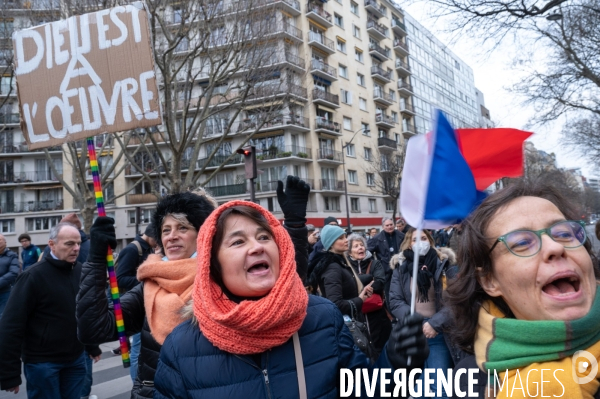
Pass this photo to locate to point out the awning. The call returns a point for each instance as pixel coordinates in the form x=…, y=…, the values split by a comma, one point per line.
x=320, y=79
x=319, y=106
x=46, y=187
x=341, y=39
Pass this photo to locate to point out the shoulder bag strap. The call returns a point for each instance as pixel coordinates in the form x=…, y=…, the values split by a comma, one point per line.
x=299, y=366
x=359, y=283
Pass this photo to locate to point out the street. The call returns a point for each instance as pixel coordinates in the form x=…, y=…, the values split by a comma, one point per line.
x=111, y=380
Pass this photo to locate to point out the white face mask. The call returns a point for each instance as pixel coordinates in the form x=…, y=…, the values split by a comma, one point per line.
x=424, y=247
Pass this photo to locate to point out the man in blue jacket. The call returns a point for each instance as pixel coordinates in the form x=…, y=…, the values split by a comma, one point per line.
x=9, y=270
x=30, y=253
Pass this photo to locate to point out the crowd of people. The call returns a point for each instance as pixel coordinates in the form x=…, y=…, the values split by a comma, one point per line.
x=227, y=301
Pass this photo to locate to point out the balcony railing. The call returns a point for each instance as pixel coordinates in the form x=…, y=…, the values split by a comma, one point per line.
x=375, y=70
x=148, y=198
x=283, y=152
x=267, y=186
x=378, y=27
x=323, y=67
x=28, y=177
x=324, y=123
x=378, y=93
x=294, y=60
x=383, y=118
x=289, y=29
x=219, y=160
x=402, y=64
x=386, y=142
x=31, y=206
x=330, y=155
x=277, y=89
x=323, y=95
x=398, y=24
x=405, y=86
x=222, y=191
x=376, y=47
x=277, y=121
x=407, y=108
x=315, y=8
x=10, y=118
x=332, y=185
x=399, y=43
x=320, y=38
x=375, y=7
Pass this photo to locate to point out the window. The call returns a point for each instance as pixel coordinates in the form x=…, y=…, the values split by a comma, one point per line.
x=7, y=226
x=398, y=139
x=370, y=179
x=347, y=123
x=358, y=55
x=346, y=96
x=368, y=155
x=355, y=204
x=360, y=79
x=352, y=179
x=354, y=7
x=339, y=21
x=389, y=206
x=395, y=116
x=356, y=31
x=343, y=71
x=366, y=130
x=372, y=205
x=145, y=216
x=341, y=46
x=350, y=150
x=362, y=103
x=42, y=223
x=332, y=203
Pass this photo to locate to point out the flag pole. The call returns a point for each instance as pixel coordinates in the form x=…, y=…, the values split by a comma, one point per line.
x=114, y=289
x=413, y=284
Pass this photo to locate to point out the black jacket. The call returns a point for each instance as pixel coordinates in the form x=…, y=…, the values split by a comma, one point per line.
x=96, y=320
x=380, y=247
x=38, y=324
x=128, y=262
x=9, y=269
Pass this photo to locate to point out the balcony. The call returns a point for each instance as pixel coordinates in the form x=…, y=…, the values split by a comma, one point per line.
x=332, y=185
x=329, y=156
x=138, y=138
x=223, y=191
x=218, y=160
x=10, y=119
x=383, y=98
x=407, y=109
x=385, y=144
x=271, y=186
x=408, y=130
x=377, y=30
x=293, y=123
x=292, y=7
x=379, y=73
x=294, y=62
x=31, y=206
x=375, y=50
x=268, y=91
x=405, y=89
x=400, y=48
x=402, y=68
x=319, y=41
x=323, y=70
x=135, y=199
x=285, y=152
x=398, y=27
x=323, y=125
x=318, y=14
x=286, y=29
x=384, y=120
x=27, y=177
x=374, y=8
x=325, y=98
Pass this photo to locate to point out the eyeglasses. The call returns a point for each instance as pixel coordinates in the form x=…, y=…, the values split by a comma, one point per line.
x=525, y=243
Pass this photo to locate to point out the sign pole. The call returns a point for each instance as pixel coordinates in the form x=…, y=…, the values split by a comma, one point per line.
x=114, y=289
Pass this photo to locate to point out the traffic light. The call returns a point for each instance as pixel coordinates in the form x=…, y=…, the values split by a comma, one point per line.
x=249, y=154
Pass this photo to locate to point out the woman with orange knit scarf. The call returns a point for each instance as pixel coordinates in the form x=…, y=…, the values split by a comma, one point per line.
x=255, y=332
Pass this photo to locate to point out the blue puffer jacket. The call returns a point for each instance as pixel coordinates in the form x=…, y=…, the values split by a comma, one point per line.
x=191, y=367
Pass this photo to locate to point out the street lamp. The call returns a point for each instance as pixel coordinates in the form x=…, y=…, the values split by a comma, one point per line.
x=366, y=131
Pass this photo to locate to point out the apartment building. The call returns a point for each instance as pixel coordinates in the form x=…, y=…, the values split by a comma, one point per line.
x=361, y=76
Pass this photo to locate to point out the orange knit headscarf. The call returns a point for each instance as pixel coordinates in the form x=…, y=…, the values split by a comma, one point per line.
x=251, y=326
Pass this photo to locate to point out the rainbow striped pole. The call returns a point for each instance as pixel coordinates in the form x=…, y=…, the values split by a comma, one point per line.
x=114, y=289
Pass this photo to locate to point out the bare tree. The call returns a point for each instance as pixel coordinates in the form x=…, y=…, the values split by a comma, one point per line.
x=584, y=135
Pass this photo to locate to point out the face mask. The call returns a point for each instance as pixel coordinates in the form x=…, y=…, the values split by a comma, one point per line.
x=424, y=247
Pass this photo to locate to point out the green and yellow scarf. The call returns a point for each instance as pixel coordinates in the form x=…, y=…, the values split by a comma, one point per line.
x=526, y=347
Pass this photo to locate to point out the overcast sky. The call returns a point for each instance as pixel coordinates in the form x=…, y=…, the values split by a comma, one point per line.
x=493, y=76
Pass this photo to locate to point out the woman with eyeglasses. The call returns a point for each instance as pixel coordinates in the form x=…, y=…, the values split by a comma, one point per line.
x=525, y=299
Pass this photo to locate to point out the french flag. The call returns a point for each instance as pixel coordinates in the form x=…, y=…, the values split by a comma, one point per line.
x=446, y=171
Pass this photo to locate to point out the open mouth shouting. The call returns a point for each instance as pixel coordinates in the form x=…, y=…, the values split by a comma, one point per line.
x=563, y=286
x=259, y=268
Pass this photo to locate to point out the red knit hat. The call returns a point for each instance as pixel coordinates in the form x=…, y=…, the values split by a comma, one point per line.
x=250, y=326
x=73, y=219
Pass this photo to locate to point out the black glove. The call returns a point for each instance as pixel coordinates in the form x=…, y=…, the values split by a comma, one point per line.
x=293, y=201
x=407, y=339
x=102, y=235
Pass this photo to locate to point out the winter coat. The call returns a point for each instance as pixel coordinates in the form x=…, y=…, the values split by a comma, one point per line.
x=84, y=248
x=30, y=256
x=96, y=320
x=190, y=366
x=9, y=269
x=380, y=247
x=400, y=295
x=128, y=262
x=38, y=324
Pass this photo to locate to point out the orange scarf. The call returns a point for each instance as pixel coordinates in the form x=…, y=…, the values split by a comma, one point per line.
x=251, y=326
x=167, y=288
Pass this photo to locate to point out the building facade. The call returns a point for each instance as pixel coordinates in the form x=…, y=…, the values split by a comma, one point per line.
x=363, y=76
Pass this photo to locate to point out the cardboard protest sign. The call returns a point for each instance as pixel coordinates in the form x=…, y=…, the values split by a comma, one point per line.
x=86, y=75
